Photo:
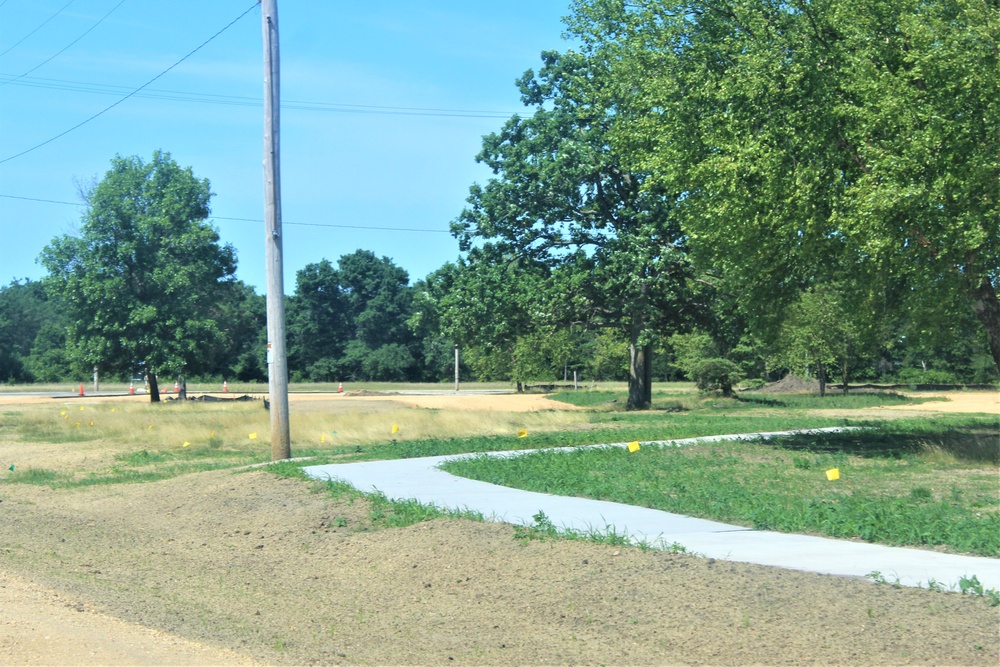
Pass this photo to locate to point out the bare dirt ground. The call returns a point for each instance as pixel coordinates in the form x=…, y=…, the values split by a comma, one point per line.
x=248, y=568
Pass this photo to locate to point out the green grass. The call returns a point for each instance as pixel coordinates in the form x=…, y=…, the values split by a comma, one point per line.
x=895, y=486
x=604, y=428
x=676, y=400
x=141, y=465
x=383, y=512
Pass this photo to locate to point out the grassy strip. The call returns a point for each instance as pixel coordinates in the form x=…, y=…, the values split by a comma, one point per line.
x=623, y=427
x=901, y=484
x=138, y=467
x=384, y=512
x=670, y=401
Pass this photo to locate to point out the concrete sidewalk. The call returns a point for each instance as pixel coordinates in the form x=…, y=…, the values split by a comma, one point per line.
x=421, y=479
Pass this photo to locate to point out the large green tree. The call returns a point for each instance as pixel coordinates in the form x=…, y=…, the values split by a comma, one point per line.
x=815, y=140
x=142, y=277
x=494, y=309
x=318, y=324
x=350, y=322
x=560, y=197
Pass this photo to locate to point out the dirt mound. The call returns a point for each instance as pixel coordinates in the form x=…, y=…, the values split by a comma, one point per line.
x=791, y=385
x=366, y=392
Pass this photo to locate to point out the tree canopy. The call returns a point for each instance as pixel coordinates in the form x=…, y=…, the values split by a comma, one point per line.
x=350, y=322
x=815, y=139
x=606, y=244
x=143, y=278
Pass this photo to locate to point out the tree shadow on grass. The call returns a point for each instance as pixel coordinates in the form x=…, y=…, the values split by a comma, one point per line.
x=977, y=443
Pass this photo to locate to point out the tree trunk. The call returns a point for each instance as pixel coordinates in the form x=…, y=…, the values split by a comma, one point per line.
x=987, y=308
x=821, y=376
x=183, y=393
x=843, y=376
x=640, y=376
x=154, y=389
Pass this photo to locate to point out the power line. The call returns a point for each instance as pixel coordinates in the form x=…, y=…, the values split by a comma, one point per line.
x=47, y=201
x=65, y=48
x=131, y=94
x=234, y=100
x=256, y=220
x=42, y=25
x=324, y=224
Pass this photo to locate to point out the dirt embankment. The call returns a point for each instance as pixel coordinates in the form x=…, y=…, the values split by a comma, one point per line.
x=222, y=568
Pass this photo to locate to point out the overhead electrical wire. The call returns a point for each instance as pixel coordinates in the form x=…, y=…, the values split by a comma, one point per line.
x=285, y=222
x=235, y=100
x=42, y=25
x=65, y=48
x=134, y=92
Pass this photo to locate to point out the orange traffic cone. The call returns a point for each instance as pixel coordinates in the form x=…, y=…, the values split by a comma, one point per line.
x=81, y=389
x=225, y=386
x=177, y=387
x=131, y=388
x=340, y=388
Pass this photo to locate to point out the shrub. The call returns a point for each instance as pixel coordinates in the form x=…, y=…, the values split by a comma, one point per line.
x=717, y=375
x=919, y=376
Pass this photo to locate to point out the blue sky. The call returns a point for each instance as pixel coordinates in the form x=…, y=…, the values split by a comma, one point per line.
x=384, y=107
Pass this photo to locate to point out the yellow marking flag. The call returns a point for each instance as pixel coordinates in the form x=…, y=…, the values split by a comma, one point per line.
x=253, y=436
x=633, y=446
x=187, y=444
x=395, y=428
x=522, y=433
x=833, y=474
x=322, y=438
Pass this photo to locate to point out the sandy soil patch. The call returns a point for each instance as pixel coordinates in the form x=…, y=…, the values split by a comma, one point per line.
x=958, y=401
x=481, y=402
x=41, y=626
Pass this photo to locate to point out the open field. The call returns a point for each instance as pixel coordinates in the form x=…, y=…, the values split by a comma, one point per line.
x=201, y=565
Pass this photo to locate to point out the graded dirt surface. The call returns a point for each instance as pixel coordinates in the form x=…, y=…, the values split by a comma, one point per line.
x=956, y=401
x=234, y=568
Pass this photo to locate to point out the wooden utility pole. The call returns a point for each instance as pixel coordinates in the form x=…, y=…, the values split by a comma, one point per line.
x=277, y=356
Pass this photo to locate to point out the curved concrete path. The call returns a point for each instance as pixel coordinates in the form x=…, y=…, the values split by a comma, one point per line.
x=421, y=479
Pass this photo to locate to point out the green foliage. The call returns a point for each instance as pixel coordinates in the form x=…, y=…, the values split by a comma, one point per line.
x=603, y=249
x=817, y=333
x=817, y=142
x=142, y=278
x=32, y=334
x=351, y=323
x=717, y=375
x=918, y=376
x=691, y=349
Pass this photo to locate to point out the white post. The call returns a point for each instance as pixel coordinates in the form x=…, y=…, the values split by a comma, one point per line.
x=456, y=369
x=97, y=386
x=277, y=362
